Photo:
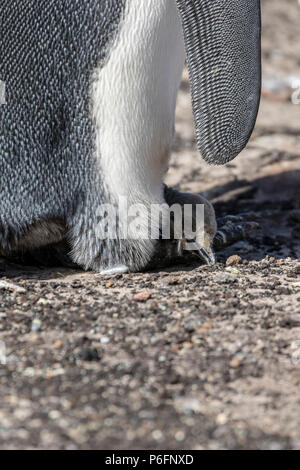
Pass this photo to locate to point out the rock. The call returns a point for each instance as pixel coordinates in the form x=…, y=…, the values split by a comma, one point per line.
x=36, y=325
x=142, y=296
x=225, y=278
x=235, y=363
x=221, y=419
x=173, y=281
x=188, y=405
x=292, y=321
x=234, y=260
x=43, y=301
x=12, y=287
x=157, y=435
x=104, y=340
x=180, y=436
x=89, y=354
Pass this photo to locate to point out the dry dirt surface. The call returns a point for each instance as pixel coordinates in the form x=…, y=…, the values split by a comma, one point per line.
x=189, y=357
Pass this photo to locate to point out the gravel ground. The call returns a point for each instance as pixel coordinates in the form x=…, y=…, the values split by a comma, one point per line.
x=189, y=357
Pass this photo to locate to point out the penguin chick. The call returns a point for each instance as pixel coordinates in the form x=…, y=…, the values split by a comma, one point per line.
x=199, y=235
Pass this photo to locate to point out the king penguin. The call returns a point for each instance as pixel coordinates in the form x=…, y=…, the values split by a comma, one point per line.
x=88, y=115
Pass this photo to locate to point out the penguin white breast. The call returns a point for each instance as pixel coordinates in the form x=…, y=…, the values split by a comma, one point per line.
x=134, y=98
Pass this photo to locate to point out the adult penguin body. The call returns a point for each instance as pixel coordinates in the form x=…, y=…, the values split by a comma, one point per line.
x=88, y=117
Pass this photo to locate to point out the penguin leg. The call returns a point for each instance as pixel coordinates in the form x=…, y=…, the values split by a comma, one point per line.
x=133, y=99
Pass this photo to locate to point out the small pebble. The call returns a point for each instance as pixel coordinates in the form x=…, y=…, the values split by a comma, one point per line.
x=104, y=340
x=142, y=296
x=89, y=354
x=221, y=419
x=36, y=325
x=234, y=260
x=293, y=320
x=12, y=287
x=234, y=364
x=42, y=301
x=225, y=278
x=180, y=436
x=157, y=435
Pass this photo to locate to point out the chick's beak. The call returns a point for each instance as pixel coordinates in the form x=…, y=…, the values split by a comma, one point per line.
x=207, y=256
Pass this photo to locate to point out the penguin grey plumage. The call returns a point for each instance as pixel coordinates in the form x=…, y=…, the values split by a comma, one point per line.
x=90, y=94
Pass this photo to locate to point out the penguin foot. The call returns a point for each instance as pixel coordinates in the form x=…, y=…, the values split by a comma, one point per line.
x=193, y=235
x=234, y=228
